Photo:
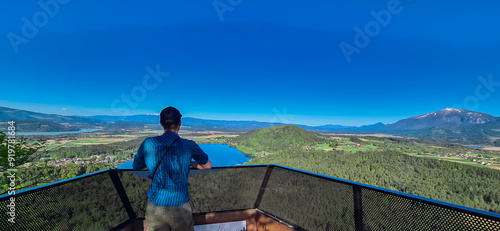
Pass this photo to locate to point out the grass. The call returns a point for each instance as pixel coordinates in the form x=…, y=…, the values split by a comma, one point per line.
x=151, y=131
x=203, y=139
x=245, y=149
x=51, y=147
x=322, y=146
x=354, y=150
x=89, y=141
x=463, y=161
x=371, y=146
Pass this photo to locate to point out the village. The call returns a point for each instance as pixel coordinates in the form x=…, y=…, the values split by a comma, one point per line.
x=473, y=158
x=104, y=159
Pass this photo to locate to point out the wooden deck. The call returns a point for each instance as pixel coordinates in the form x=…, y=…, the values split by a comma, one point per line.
x=255, y=221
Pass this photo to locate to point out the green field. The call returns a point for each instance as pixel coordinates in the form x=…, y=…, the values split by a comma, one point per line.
x=463, y=161
x=354, y=150
x=208, y=140
x=89, y=141
x=246, y=150
x=323, y=146
x=344, y=143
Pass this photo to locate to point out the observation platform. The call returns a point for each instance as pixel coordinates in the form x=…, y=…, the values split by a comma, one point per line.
x=265, y=197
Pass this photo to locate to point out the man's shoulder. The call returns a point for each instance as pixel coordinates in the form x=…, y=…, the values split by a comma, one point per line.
x=187, y=141
x=162, y=139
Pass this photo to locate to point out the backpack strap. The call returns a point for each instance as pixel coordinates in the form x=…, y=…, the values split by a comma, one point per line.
x=152, y=178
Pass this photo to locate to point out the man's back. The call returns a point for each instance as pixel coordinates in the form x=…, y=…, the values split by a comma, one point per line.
x=170, y=184
x=168, y=204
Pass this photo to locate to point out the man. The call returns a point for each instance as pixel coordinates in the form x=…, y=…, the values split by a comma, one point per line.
x=168, y=206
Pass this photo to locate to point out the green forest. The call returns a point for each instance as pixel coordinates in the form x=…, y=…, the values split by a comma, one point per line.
x=43, y=174
x=313, y=203
x=441, y=180
x=123, y=150
x=274, y=138
x=389, y=167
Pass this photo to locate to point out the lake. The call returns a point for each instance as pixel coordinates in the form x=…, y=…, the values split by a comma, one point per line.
x=54, y=133
x=220, y=154
x=472, y=146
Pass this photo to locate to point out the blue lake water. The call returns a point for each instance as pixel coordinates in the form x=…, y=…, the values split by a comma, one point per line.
x=220, y=154
x=54, y=133
x=472, y=146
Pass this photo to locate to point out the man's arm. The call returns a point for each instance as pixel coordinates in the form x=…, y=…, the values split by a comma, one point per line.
x=139, y=163
x=200, y=157
x=208, y=165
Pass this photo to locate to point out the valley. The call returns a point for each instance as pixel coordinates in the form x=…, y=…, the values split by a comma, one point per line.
x=447, y=171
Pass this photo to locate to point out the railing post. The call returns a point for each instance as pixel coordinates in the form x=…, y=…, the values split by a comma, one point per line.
x=358, y=208
x=264, y=185
x=113, y=174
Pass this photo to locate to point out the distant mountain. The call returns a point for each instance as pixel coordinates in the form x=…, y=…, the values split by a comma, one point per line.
x=194, y=123
x=447, y=118
x=371, y=127
x=277, y=138
x=148, y=118
x=328, y=127
x=340, y=128
x=450, y=125
x=37, y=126
x=206, y=124
x=7, y=114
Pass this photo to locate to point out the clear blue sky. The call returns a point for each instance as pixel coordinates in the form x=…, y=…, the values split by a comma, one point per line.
x=275, y=61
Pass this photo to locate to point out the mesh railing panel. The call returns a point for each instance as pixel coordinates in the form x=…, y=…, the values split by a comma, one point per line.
x=382, y=211
x=136, y=185
x=209, y=190
x=90, y=203
x=310, y=202
x=225, y=189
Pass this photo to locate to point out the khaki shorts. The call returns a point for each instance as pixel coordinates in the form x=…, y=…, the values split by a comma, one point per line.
x=179, y=218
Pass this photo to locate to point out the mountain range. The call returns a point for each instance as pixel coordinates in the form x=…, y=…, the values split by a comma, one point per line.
x=449, y=117
x=449, y=124
x=7, y=114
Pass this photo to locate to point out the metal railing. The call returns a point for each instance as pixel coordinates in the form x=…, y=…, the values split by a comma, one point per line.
x=112, y=198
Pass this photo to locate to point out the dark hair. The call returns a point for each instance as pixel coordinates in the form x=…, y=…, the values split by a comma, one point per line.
x=170, y=118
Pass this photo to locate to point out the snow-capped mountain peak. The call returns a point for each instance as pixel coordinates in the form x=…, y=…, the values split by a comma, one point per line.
x=446, y=117
x=452, y=109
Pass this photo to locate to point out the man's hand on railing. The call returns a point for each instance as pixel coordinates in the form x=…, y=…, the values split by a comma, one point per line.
x=195, y=164
x=145, y=168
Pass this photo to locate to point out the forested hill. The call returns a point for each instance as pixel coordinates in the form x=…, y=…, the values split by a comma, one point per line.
x=7, y=114
x=385, y=166
x=277, y=138
x=37, y=126
x=442, y=180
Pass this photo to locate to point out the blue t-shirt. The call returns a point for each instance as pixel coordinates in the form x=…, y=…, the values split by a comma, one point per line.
x=170, y=185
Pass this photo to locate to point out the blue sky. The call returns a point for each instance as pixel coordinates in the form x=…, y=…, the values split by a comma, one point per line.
x=275, y=61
